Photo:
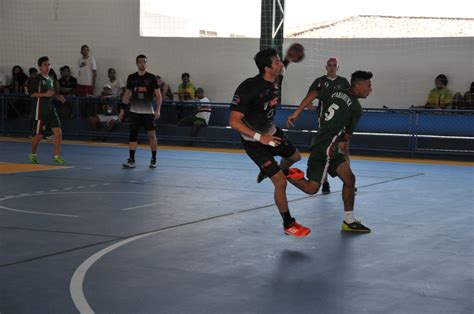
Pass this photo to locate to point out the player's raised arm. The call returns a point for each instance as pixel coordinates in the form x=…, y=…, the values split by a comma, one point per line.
x=306, y=102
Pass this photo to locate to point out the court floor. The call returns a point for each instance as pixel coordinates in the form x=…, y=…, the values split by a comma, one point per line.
x=199, y=235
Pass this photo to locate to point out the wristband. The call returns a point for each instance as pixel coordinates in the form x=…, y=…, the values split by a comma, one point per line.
x=272, y=144
x=257, y=136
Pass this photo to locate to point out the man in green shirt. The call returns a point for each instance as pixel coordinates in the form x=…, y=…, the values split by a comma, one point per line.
x=340, y=114
x=330, y=80
x=42, y=93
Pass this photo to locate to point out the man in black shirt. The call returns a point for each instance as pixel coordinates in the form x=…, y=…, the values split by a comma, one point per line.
x=142, y=89
x=252, y=111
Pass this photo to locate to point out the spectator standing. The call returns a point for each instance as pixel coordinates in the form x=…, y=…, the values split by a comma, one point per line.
x=87, y=73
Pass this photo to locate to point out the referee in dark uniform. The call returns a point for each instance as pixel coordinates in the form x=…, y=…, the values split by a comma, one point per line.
x=142, y=90
x=252, y=111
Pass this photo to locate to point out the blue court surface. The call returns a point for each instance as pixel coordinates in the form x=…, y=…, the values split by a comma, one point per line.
x=199, y=235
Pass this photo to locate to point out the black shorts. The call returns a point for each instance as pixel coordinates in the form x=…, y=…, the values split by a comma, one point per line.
x=145, y=120
x=263, y=155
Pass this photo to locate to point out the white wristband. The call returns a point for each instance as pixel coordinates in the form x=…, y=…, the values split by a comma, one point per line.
x=257, y=136
x=272, y=144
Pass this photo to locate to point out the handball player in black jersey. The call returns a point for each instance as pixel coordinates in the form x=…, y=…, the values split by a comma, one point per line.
x=141, y=94
x=252, y=110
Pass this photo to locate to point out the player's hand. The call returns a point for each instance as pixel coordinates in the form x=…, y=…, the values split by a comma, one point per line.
x=50, y=93
x=61, y=99
x=157, y=115
x=270, y=140
x=290, y=122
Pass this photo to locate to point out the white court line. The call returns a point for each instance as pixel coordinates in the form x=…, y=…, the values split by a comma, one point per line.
x=146, y=205
x=36, y=213
x=77, y=280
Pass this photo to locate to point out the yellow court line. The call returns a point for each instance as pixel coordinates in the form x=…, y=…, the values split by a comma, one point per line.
x=10, y=167
x=241, y=151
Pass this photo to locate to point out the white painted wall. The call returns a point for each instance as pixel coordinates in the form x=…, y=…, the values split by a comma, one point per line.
x=404, y=69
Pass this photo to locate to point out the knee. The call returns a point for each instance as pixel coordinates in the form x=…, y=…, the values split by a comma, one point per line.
x=296, y=156
x=313, y=187
x=279, y=181
x=350, y=180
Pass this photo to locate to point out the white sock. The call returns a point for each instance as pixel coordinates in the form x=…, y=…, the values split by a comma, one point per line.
x=349, y=217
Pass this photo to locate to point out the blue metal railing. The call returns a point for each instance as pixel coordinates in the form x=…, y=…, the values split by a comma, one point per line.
x=412, y=131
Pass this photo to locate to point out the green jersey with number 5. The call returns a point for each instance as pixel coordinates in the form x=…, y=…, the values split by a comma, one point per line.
x=340, y=113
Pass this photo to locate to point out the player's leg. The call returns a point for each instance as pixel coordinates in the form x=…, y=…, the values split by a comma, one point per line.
x=55, y=125
x=133, y=140
x=345, y=173
x=263, y=158
x=37, y=136
x=150, y=127
x=286, y=150
x=344, y=149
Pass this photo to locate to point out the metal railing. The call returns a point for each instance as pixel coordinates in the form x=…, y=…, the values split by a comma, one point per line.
x=409, y=131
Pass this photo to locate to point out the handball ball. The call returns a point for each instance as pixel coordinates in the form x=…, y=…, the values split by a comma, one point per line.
x=296, y=52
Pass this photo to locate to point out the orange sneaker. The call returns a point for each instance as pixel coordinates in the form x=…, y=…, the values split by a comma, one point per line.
x=295, y=173
x=297, y=230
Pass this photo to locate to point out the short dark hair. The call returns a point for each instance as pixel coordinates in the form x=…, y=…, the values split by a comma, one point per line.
x=110, y=69
x=264, y=59
x=185, y=74
x=442, y=78
x=199, y=89
x=64, y=68
x=32, y=70
x=140, y=57
x=84, y=46
x=359, y=76
x=42, y=59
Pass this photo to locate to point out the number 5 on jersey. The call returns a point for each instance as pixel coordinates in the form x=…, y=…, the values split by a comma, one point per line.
x=330, y=113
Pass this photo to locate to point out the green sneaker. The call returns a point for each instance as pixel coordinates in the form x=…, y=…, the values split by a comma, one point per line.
x=356, y=226
x=58, y=160
x=33, y=158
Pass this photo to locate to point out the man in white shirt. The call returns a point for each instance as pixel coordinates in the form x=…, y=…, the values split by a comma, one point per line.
x=202, y=116
x=116, y=84
x=86, y=74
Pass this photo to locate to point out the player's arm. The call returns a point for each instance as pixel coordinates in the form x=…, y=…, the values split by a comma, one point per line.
x=306, y=102
x=236, y=123
x=158, y=102
x=125, y=99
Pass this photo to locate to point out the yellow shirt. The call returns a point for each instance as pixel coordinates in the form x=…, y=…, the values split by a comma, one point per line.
x=439, y=98
x=189, y=88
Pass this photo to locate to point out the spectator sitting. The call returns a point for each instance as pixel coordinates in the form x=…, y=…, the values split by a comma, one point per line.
x=18, y=80
x=201, y=118
x=67, y=82
x=440, y=96
x=117, y=84
x=186, y=90
x=33, y=73
x=16, y=105
x=3, y=83
x=67, y=87
x=165, y=89
x=107, y=112
x=468, y=101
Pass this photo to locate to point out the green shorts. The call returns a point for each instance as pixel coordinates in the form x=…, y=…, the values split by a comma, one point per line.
x=46, y=118
x=320, y=164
